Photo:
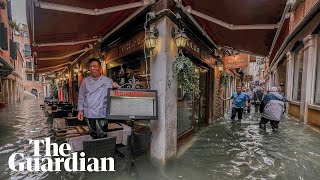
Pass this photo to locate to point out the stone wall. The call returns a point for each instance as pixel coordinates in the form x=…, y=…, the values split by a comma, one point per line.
x=218, y=103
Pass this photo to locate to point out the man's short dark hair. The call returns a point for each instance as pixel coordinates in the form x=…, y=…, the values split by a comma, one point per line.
x=94, y=59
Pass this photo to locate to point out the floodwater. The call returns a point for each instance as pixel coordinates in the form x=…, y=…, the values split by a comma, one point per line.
x=225, y=150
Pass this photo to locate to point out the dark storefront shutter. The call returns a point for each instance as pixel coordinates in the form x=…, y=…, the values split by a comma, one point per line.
x=13, y=49
x=3, y=37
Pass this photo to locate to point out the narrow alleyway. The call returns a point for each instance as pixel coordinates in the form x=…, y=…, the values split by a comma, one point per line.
x=224, y=150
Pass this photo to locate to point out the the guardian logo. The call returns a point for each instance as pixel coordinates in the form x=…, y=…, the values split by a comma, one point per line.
x=58, y=158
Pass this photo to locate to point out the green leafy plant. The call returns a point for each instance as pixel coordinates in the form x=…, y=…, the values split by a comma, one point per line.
x=66, y=86
x=224, y=79
x=3, y=5
x=184, y=69
x=14, y=25
x=54, y=90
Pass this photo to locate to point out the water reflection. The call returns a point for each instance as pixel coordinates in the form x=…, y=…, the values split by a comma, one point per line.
x=224, y=150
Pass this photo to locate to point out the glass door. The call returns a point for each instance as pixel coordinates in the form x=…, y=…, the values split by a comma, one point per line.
x=200, y=101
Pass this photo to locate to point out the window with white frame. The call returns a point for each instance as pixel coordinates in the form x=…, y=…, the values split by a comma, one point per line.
x=317, y=80
x=297, y=76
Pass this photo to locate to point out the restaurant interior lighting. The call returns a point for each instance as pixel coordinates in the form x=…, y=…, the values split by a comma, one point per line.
x=220, y=67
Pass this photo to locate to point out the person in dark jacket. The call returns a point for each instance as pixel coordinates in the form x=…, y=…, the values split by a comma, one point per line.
x=272, y=107
x=257, y=98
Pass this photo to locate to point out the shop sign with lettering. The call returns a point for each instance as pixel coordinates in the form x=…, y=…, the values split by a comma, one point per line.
x=133, y=44
x=237, y=61
x=193, y=48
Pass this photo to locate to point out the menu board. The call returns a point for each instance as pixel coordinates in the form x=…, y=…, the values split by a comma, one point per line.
x=125, y=104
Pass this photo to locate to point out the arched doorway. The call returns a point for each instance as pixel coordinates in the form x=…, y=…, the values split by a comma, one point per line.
x=34, y=92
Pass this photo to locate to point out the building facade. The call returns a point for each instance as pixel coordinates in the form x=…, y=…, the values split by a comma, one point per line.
x=296, y=61
x=32, y=81
x=11, y=72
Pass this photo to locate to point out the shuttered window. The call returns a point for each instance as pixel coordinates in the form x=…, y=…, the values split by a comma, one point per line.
x=13, y=49
x=3, y=36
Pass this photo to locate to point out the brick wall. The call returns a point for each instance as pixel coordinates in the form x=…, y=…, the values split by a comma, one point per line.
x=29, y=85
x=5, y=54
x=300, y=12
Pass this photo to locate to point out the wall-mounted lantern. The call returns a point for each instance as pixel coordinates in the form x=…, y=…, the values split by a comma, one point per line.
x=180, y=37
x=151, y=38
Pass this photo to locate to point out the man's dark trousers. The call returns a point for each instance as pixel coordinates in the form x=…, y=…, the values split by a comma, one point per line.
x=264, y=121
x=97, y=127
x=235, y=111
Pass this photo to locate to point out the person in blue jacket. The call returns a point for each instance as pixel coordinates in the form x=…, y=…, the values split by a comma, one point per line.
x=272, y=107
x=239, y=102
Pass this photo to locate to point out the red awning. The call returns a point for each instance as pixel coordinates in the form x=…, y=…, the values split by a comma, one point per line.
x=261, y=15
x=54, y=27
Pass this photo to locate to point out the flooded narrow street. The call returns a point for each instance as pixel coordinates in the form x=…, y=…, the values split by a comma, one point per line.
x=224, y=150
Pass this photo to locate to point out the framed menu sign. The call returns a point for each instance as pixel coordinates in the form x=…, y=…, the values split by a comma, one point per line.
x=134, y=104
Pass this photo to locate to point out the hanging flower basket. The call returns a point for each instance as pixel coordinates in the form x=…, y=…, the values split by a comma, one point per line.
x=188, y=79
x=224, y=79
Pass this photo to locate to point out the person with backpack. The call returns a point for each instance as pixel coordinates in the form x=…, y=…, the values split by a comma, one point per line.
x=249, y=98
x=272, y=107
x=257, y=98
x=239, y=102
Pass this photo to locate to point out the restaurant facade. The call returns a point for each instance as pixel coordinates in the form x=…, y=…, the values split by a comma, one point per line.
x=138, y=42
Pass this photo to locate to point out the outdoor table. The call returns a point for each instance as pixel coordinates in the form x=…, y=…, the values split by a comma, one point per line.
x=76, y=138
x=59, y=123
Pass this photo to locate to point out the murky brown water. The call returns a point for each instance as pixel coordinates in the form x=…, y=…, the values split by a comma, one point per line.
x=224, y=150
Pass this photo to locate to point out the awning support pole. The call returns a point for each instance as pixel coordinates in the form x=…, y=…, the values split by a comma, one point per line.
x=189, y=10
x=93, y=12
x=68, y=55
x=66, y=43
